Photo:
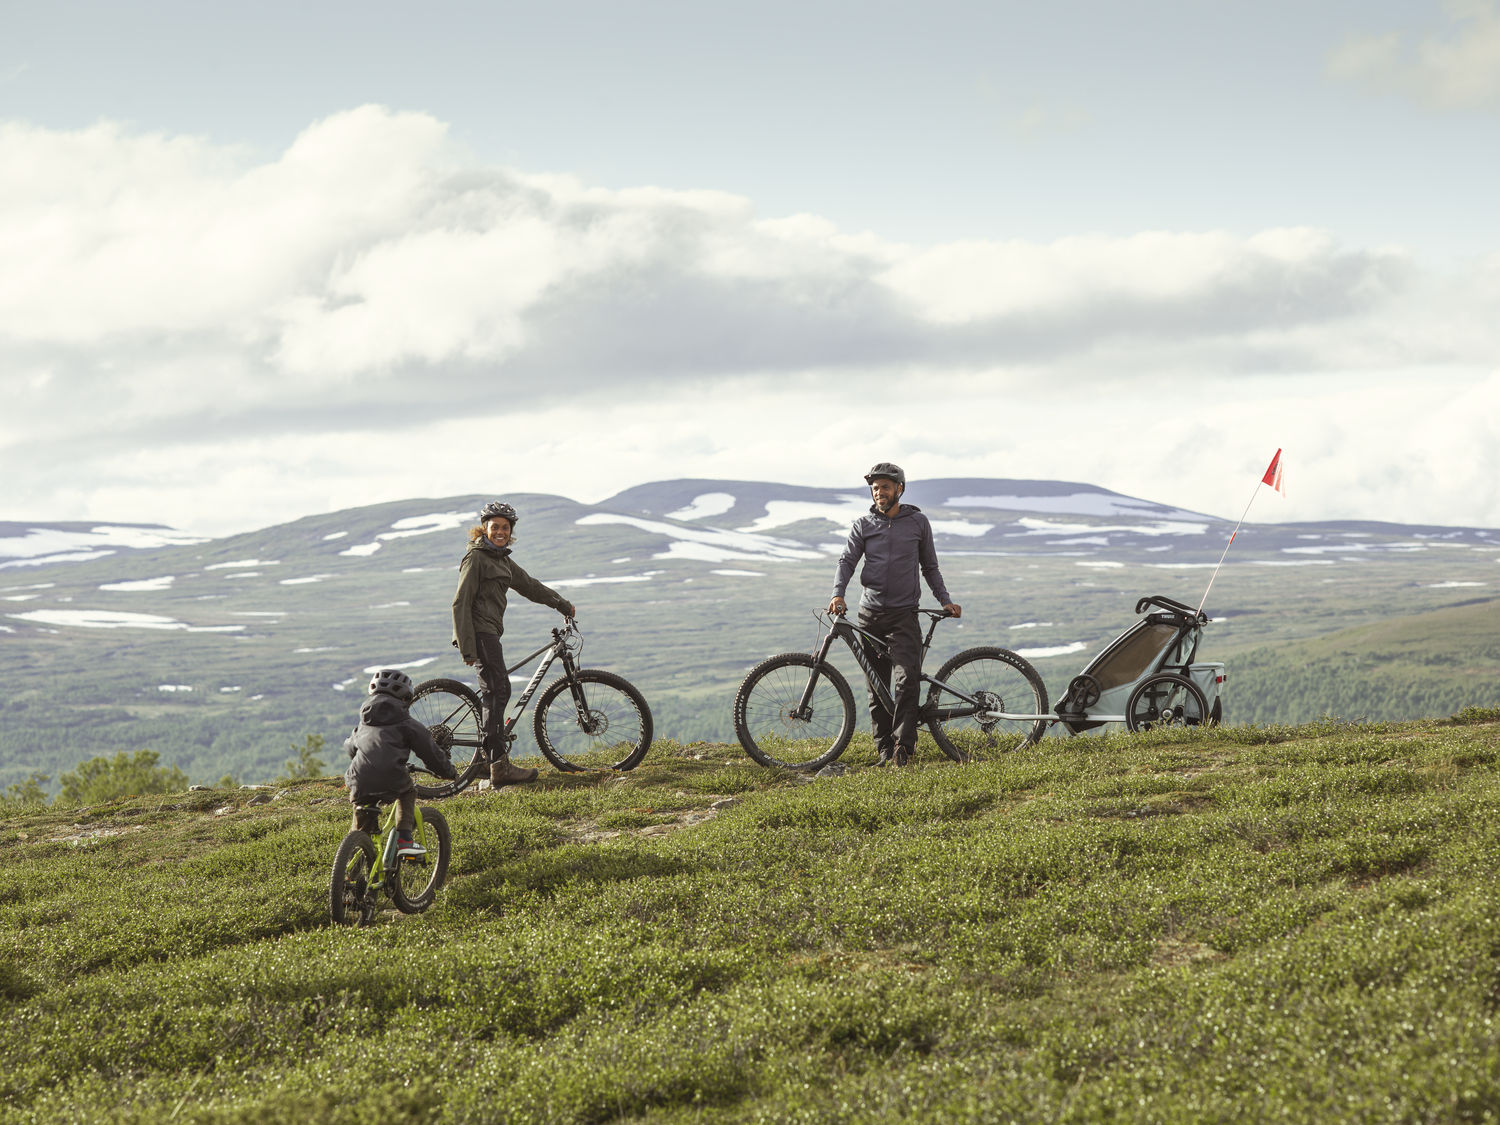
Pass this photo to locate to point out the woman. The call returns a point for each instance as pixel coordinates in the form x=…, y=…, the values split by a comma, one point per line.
x=485, y=576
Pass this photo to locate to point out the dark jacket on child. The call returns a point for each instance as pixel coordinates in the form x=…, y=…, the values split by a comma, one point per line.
x=382, y=744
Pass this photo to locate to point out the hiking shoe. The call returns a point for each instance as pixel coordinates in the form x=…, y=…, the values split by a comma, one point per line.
x=902, y=758
x=409, y=848
x=503, y=773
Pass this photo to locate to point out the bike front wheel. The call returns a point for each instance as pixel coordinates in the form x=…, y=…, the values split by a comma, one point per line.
x=772, y=726
x=418, y=879
x=592, y=720
x=350, y=898
x=998, y=680
x=450, y=711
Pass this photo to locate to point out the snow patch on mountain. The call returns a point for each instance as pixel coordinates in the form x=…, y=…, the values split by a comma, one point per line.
x=708, y=504
x=162, y=583
x=591, y=580
x=1051, y=650
x=708, y=544
x=405, y=528
x=1036, y=526
x=421, y=663
x=779, y=513
x=241, y=564
x=1074, y=504
x=67, y=544
x=111, y=619
x=426, y=525
x=960, y=527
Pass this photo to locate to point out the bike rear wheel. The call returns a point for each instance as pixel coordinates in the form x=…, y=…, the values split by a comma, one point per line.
x=610, y=729
x=451, y=713
x=1001, y=681
x=771, y=727
x=418, y=880
x=350, y=899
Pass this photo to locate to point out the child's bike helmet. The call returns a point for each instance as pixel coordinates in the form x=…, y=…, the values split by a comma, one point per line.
x=393, y=681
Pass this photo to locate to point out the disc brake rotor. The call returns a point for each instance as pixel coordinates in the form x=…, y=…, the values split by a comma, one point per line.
x=989, y=701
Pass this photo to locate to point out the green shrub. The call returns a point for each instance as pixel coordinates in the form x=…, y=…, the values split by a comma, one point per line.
x=100, y=780
x=307, y=764
x=28, y=792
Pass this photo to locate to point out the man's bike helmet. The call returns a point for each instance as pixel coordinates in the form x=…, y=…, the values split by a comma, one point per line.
x=887, y=470
x=495, y=509
x=393, y=681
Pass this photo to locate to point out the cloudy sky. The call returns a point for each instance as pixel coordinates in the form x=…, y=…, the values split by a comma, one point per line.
x=267, y=260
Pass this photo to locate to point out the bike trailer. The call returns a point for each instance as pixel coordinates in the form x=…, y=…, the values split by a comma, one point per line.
x=1164, y=641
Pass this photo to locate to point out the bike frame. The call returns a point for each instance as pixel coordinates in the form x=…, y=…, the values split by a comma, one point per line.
x=857, y=638
x=389, y=842
x=555, y=649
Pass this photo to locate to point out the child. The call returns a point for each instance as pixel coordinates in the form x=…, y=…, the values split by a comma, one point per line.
x=381, y=746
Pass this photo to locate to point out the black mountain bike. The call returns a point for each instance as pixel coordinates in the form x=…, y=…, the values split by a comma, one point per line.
x=796, y=710
x=586, y=719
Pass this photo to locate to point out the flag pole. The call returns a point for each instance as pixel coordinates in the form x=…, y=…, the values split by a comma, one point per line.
x=1273, y=478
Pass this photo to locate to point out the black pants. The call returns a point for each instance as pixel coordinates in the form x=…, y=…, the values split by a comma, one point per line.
x=901, y=670
x=494, y=692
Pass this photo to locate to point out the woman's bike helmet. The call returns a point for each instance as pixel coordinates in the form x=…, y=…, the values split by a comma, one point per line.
x=393, y=681
x=495, y=509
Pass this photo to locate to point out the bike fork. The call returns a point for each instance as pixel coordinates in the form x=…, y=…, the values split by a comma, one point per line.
x=804, y=704
x=580, y=701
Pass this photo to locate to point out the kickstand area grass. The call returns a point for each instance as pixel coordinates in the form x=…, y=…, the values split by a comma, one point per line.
x=1249, y=923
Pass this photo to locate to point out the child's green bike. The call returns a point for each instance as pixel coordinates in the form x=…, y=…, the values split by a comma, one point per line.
x=412, y=881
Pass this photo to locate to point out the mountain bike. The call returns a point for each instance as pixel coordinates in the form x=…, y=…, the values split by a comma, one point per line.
x=796, y=710
x=363, y=867
x=585, y=719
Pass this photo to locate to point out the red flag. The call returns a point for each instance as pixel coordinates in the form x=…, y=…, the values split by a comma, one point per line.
x=1273, y=474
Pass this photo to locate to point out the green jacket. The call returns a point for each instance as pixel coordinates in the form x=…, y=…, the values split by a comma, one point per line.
x=484, y=578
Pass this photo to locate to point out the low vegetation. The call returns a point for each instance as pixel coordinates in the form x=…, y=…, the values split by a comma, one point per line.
x=1278, y=923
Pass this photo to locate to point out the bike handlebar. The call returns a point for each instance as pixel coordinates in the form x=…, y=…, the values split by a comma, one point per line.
x=935, y=614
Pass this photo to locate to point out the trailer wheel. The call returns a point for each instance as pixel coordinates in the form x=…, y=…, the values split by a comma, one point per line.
x=1166, y=700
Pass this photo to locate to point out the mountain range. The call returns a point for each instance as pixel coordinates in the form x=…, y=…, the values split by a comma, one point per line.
x=221, y=653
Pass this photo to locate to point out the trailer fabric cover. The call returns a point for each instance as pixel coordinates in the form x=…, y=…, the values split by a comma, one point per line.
x=1133, y=655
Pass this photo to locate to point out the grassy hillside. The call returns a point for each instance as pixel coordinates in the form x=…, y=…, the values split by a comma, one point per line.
x=1277, y=923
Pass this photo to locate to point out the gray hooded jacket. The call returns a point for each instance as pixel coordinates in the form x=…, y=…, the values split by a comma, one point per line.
x=382, y=744
x=894, y=550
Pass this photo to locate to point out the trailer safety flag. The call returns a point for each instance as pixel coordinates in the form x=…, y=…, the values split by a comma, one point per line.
x=1273, y=475
x=1273, y=478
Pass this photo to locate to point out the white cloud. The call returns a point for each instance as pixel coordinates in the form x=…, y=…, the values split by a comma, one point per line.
x=192, y=335
x=1192, y=281
x=1457, y=70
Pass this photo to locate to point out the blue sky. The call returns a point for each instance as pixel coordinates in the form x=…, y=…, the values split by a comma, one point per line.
x=271, y=261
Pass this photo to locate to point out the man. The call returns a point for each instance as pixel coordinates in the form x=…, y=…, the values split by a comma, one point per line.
x=895, y=541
